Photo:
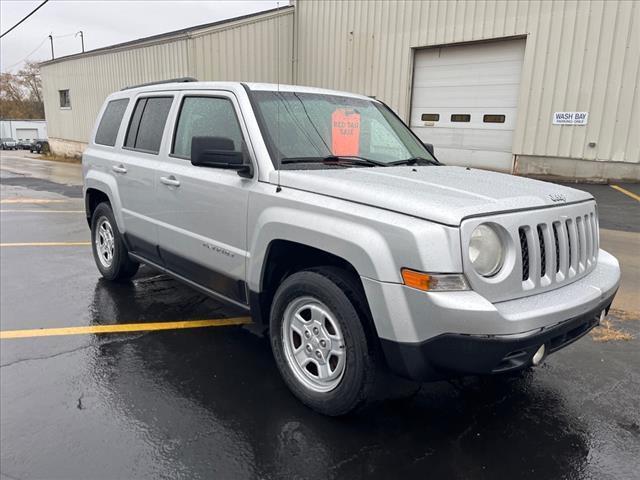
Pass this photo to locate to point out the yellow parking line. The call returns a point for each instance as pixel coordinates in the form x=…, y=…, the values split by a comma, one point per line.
x=42, y=211
x=123, y=328
x=626, y=192
x=31, y=200
x=46, y=244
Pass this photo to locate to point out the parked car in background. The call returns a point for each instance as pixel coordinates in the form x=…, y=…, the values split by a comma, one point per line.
x=9, y=144
x=25, y=144
x=323, y=215
x=39, y=146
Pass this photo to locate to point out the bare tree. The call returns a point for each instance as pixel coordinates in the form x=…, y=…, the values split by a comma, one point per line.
x=29, y=78
x=10, y=88
x=21, y=94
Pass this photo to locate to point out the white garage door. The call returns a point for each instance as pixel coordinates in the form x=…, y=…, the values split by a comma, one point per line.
x=465, y=101
x=26, y=133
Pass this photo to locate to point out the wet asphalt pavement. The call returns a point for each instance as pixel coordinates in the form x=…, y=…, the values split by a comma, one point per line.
x=209, y=403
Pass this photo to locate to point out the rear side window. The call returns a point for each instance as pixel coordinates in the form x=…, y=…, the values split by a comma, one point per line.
x=147, y=124
x=110, y=122
x=205, y=117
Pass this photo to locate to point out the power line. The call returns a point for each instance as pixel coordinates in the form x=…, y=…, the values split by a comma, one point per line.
x=39, y=47
x=32, y=12
x=27, y=57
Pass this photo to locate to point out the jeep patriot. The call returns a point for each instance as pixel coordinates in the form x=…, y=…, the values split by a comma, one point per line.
x=325, y=217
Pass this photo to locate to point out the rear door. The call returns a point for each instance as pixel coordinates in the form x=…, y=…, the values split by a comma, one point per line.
x=203, y=210
x=135, y=170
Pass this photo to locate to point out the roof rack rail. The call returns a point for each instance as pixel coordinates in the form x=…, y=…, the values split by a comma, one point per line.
x=171, y=80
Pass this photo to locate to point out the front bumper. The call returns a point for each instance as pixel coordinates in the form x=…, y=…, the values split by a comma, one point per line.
x=451, y=355
x=434, y=335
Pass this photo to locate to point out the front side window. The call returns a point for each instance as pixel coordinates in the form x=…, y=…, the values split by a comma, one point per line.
x=205, y=117
x=308, y=126
x=110, y=122
x=147, y=124
x=65, y=99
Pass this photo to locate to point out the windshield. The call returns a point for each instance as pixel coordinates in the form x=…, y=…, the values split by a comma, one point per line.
x=309, y=127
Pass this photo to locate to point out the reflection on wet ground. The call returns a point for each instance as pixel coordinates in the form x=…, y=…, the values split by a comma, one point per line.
x=210, y=402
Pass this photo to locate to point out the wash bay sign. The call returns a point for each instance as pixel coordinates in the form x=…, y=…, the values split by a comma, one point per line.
x=570, y=118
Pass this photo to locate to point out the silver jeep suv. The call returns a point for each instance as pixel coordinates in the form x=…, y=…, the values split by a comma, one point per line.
x=325, y=217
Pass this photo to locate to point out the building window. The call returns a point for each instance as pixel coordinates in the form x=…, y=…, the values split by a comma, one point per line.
x=65, y=100
x=430, y=117
x=461, y=117
x=493, y=119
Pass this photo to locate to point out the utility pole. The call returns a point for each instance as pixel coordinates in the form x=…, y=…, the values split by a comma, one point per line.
x=51, y=40
x=81, y=39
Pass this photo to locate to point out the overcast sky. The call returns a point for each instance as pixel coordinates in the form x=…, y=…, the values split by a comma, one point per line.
x=104, y=23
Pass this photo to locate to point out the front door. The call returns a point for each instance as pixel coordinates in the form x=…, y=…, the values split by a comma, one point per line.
x=202, y=228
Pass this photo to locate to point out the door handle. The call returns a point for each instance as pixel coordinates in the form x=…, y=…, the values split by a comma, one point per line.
x=171, y=181
x=119, y=169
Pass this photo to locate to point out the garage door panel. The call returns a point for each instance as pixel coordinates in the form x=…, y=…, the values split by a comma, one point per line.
x=487, y=96
x=463, y=157
x=471, y=138
x=26, y=133
x=471, y=53
x=477, y=118
x=479, y=83
x=479, y=74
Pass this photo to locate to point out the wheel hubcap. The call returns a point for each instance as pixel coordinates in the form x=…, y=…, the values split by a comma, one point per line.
x=105, y=242
x=313, y=344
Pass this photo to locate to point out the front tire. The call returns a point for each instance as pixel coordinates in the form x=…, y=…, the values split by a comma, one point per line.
x=109, y=251
x=319, y=341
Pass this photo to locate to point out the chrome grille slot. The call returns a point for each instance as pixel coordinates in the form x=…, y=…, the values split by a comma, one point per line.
x=543, y=252
x=589, y=237
x=524, y=253
x=556, y=241
x=596, y=236
x=571, y=240
x=582, y=244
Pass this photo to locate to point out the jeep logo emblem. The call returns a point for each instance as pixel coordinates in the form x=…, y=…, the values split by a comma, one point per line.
x=557, y=197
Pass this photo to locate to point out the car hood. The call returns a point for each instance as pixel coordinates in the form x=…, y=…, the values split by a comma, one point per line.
x=442, y=194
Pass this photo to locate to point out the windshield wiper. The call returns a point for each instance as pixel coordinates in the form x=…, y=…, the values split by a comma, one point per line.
x=336, y=159
x=415, y=161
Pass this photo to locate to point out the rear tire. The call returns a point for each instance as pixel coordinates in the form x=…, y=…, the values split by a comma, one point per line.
x=109, y=251
x=319, y=341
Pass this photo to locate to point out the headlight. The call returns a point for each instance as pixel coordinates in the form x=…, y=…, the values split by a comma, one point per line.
x=486, y=251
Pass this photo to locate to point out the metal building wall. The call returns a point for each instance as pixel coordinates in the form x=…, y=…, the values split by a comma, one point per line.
x=580, y=56
x=258, y=48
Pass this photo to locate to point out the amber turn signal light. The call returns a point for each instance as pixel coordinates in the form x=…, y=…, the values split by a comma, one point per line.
x=414, y=279
x=434, y=282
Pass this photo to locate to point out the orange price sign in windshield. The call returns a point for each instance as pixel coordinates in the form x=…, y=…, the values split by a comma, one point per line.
x=345, y=132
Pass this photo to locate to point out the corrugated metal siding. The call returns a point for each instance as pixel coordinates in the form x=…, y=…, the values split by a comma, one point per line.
x=245, y=50
x=579, y=56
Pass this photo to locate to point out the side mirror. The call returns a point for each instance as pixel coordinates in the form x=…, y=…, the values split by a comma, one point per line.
x=429, y=147
x=219, y=152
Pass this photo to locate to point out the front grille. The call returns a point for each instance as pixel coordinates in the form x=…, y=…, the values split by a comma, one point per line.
x=554, y=251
